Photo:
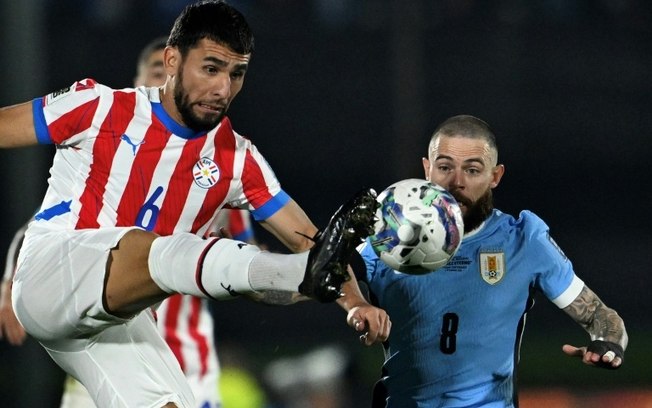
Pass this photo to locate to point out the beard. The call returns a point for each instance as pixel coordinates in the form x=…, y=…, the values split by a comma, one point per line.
x=476, y=211
x=190, y=119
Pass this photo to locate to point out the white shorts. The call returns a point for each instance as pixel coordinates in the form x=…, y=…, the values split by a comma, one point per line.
x=57, y=295
x=204, y=388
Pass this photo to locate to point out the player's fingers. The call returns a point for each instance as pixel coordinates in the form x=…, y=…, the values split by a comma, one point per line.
x=371, y=335
x=609, y=356
x=573, y=351
x=15, y=335
x=611, y=359
x=381, y=333
x=389, y=327
x=374, y=328
x=591, y=358
x=359, y=324
x=225, y=233
x=356, y=320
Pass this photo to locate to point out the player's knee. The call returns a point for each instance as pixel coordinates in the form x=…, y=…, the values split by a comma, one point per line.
x=128, y=287
x=135, y=242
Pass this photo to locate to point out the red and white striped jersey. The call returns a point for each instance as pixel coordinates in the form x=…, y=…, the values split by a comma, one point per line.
x=187, y=326
x=121, y=160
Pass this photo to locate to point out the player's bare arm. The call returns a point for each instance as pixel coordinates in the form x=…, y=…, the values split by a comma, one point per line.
x=292, y=227
x=604, y=325
x=362, y=316
x=276, y=298
x=17, y=126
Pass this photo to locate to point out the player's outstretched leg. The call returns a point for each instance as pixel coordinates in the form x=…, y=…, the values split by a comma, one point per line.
x=326, y=270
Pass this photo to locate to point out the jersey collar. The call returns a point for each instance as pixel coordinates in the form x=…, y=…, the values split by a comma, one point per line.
x=172, y=125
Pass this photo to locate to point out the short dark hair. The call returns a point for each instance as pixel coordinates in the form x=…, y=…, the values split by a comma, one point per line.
x=466, y=126
x=214, y=20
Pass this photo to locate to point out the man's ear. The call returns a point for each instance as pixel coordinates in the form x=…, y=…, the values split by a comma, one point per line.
x=497, y=174
x=171, y=60
x=426, y=168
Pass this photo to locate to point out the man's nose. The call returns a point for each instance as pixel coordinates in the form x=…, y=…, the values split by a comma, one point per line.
x=222, y=86
x=457, y=179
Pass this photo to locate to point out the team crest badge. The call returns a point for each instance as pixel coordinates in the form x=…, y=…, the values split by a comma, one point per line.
x=492, y=266
x=206, y=173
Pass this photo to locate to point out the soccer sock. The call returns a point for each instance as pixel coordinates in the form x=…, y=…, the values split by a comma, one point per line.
x=214, y=268
x=268, y=271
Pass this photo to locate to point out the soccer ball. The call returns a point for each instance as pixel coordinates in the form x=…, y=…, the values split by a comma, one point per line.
x=419, y=226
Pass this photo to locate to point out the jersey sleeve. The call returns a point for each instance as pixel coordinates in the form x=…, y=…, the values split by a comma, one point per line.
x=555, y=276
x=375, y=267
x=63, y=114
x=261, y=191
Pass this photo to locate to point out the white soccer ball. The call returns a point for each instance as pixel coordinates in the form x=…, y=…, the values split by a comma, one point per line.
x=419, y=227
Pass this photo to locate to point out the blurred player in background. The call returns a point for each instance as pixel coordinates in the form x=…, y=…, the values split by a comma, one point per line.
x=184, y=320
x=137, y=178
x=10, y=328
x=457, y=331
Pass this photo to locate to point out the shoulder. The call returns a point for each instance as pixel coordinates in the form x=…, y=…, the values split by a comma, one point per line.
x=530, y=223
x=375, y=267
x=527, y=227
x=225, y=132
x=527, y=222
x=536, y=233
x=84, y=89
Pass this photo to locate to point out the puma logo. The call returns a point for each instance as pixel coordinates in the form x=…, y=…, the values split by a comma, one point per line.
x=231, y=291
x=133, y=145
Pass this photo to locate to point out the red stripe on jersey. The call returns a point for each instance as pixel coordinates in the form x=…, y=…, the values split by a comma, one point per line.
x=171, y=323
x=223, y=157
x=236, y=222
x=142, y=171
x=73, y=122
x=200, y=339
x=179, y=187
x=104, y=149
x=252, y=176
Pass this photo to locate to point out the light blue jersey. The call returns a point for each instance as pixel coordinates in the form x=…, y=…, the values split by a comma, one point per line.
x=456, y=332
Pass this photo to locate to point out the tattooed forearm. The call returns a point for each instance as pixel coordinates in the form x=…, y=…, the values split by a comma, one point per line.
x=600, y=321
x=277, y=297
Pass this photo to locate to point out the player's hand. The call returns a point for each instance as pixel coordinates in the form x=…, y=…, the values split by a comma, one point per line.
x=599, y=354
x=10, y=328
x=222, y=232
x=373, y=321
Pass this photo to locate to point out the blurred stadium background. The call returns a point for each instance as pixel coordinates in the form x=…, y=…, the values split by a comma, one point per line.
x=343, y=94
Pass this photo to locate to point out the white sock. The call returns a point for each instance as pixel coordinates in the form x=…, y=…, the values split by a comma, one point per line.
x=214, y=268
x=185, y=263
x=269, y=271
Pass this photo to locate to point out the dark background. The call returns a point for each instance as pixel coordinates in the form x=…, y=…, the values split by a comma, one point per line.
x=343, y=94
